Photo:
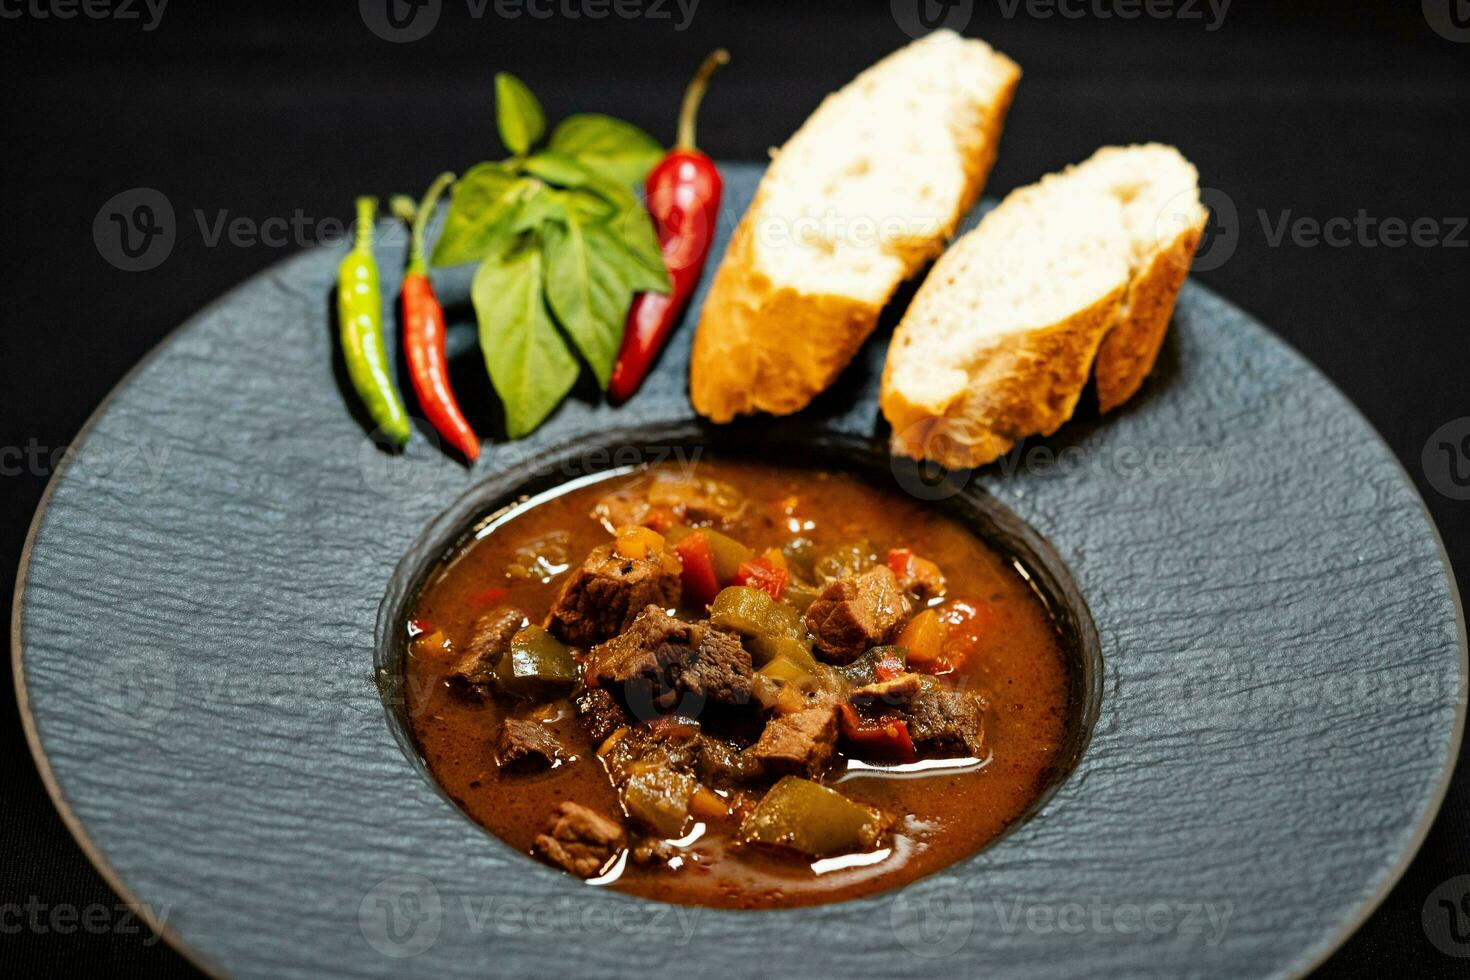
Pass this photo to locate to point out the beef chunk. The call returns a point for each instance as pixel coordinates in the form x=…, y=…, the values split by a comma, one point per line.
x=527, y=743
x=489, y=639
x=944, y=722
x=661, y=658
x=579, y=840
x=600, y=713
x=720, y=764
x=894, y=691
x=601, y=597
x=798, y=743
x=857, y=612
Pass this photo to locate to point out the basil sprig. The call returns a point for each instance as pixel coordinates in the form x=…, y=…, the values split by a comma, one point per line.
x=563, y=244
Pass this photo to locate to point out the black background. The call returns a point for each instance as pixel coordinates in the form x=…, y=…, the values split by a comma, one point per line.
x=260, y=109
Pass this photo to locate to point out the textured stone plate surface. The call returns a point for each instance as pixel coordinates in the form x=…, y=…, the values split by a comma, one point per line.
x=1283, y=681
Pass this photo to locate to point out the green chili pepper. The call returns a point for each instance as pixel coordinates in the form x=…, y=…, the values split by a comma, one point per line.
x=360, y=316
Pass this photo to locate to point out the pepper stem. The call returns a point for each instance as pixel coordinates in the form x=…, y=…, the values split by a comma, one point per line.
x=416, y=216
x=367, y=215
x=694, y=94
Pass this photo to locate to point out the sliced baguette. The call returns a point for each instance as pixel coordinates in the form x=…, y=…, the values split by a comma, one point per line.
x=859, y=199
x=1078, y=271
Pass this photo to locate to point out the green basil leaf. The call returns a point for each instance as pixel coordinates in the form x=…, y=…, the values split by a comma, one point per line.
x=587, y=289
x=587, y=205
x=539, y=204
x=556, y=169
x=634, y=231
x=612, y=148
x=484, y=203
x=517, y=113
x=528, y=360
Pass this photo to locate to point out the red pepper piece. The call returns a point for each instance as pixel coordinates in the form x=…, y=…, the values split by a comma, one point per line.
x=490, y=596
x=424, y=333
x=683, y=196
x=898, y=561
x=764, y=574
x=700, y=582
x=888, y=738
x=889, y=667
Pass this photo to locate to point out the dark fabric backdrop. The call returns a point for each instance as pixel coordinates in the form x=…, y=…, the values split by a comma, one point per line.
x=1303, y=110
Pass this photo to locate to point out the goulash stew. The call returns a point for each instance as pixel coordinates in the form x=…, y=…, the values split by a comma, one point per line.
x=736, y=684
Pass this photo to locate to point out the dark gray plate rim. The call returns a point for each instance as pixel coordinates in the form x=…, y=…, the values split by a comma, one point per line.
x=1431, y=801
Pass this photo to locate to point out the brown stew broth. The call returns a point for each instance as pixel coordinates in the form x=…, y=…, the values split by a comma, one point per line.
x=943, y=815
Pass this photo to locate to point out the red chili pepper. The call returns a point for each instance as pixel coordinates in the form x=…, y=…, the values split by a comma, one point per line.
x=700, y=582
x=683, y=196
x=764, y=574
x=423, y=331
x=889, y=738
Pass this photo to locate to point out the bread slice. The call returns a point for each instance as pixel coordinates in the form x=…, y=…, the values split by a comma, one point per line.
x=1079, y=269
x=858, y=200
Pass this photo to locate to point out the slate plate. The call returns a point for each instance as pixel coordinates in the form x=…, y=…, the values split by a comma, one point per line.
x=1283, y=686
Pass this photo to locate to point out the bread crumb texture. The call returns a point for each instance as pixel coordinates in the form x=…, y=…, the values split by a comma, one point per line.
x=865, y=193
x=1074, y=274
